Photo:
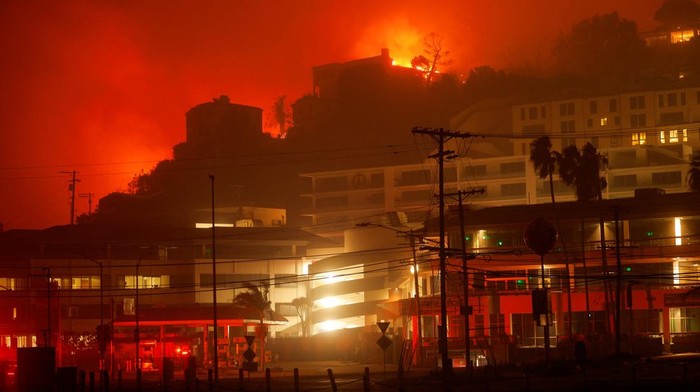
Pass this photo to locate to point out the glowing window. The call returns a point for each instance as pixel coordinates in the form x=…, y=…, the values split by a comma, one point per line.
x=662, y=137
x=7, y=283
x=673, y=136
x=603, y=121
x=85, y=282
x=682, y=36
x=684, y=134
x=639, y=138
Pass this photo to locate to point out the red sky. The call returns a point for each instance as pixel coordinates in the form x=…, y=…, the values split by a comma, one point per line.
x=102, y=87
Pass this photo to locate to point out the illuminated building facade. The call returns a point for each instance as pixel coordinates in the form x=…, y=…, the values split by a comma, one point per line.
x=648, y=138
x=160, y=276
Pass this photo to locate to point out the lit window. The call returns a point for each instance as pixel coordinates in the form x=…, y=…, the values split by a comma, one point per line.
x=662, y=137
x=603, y=121
x=682, y=36
x=7, y=283
x=685, y=135
x=639, y=138
x=673, y=136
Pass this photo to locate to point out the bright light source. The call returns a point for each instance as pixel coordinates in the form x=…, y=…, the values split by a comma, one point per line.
x=328, y=302
x=413, y=269
x=330, y=325
x=678, y=232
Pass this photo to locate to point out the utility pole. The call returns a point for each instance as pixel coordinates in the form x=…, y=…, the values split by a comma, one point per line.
x=467, y=311
x=618, y=289
x=441, y=136
x=48, y=293
x=89, y=197
x=213, y=281
x=71, y=188
x=419, y=336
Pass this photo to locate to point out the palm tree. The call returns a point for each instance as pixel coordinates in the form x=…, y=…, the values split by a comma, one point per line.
x=544, y=160
x=303, y=306
x=692, y=179
x=256, y=299
x=581, y=169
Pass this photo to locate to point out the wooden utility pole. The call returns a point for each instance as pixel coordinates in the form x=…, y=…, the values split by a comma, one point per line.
x=467, y=310
x=89, y=197
x=441, y=136
x=71, y=188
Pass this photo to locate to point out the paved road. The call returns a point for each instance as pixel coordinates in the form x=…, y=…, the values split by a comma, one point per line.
x=666, y=375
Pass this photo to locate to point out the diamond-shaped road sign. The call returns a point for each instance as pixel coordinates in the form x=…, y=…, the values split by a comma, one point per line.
x=384, y=342
x=249, y=355
x=383, y=325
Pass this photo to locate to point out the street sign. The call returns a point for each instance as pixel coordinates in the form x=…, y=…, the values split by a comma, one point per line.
x=249, y=355
x=383, y=325
x=384, y=342
x=249, y=339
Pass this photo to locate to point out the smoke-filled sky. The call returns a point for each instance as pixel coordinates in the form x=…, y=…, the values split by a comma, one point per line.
x=102, y=87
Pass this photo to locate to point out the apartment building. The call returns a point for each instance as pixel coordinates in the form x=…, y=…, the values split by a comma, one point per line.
x=648, y=138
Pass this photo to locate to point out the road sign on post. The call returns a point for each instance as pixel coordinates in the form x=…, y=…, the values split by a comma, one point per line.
x=384, y=342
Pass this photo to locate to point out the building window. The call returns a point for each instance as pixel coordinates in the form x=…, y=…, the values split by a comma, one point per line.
x=666, y=178
x=639, y=138
x=593, y=107
x=671, y=99
x=679, y=36
x=589, y=123
x=7, y=283
x=661, y=100
x=638, y=120
x=604, y=122
x=615, y=141
x=568, y=126
x=513, y=189
x=532, y=113
x=522, y=114
x=613, y=105
x=683, y=99
x=568, y=141
x=473, y=171
x=286, y=309
x=415, y=177
x=662, y=137
x=637, y=102
x=566, y=109
x=624, y=181
x=513, y=168
x=673, y=136
x=148, y=282
x=85, y=282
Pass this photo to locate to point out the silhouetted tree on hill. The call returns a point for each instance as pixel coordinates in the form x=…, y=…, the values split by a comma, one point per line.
x=674, y=13
x=602, y=45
